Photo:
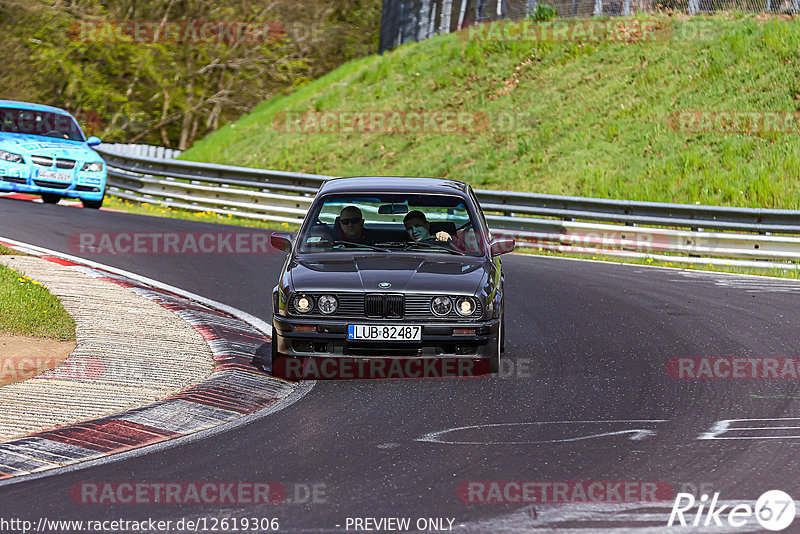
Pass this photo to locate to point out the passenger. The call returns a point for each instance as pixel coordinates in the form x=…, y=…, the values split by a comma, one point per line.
x=351, y=227
x=419, y=228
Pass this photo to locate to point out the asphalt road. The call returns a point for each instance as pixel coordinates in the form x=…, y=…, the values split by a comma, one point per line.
x=585, y=397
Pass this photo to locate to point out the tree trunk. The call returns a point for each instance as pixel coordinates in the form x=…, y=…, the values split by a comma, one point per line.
x=188, y=115
x=444, y=20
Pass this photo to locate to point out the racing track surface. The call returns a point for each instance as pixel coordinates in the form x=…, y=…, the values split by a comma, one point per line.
x=593, y=339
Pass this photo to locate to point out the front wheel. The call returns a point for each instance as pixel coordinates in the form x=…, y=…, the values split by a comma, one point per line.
x=92, y=204
x=50, y=198
x=278, y=369
x=494, y=363
x=503, y=331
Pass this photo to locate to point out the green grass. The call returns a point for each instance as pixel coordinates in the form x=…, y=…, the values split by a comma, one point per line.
x=27, y=308
x=594, y=117
x=5, y=251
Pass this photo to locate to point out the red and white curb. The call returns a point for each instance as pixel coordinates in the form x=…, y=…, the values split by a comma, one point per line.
x=234, y=390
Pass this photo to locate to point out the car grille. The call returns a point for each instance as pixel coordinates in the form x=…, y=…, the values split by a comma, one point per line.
x=373, y=306
x=15, y=179
x=65, y=163
x=42, y=161
x=394, y=306
x=389, y=306
x=53, y=185
x=385, y=306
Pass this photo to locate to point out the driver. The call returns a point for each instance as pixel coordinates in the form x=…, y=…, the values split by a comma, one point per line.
x=351, y=226
x=419, y=228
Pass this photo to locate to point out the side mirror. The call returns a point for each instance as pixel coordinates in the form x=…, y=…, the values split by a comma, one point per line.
x=502, y=245
x=281, y=241
x=93, y=141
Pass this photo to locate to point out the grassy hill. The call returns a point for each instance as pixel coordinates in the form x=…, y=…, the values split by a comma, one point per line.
x=589, y=118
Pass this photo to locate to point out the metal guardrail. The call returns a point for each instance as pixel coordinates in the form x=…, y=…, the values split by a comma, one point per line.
x=147, y=151
x=569, y=223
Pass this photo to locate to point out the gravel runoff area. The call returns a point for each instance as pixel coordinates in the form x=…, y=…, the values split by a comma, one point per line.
x=130, y=352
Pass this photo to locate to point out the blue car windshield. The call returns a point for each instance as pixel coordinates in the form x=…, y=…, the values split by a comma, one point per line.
x=393, y=222
x=35, y=122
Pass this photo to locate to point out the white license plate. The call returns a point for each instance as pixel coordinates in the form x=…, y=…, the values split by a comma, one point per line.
x=378, y=332
x=55, y=176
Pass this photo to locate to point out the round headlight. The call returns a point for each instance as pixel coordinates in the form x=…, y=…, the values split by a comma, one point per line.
x=303, y=303
x=441, y=306
x=327, y=304
x=465, y=306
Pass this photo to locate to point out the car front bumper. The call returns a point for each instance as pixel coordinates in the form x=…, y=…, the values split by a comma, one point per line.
x=328, y=341
x=12, y=180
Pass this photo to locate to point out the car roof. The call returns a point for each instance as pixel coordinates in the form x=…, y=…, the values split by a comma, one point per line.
x=29, y=105
x=393, y=184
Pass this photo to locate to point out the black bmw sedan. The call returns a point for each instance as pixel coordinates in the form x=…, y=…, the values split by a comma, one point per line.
x=389, y=277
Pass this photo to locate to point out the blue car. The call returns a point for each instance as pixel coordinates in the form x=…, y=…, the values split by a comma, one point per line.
x=43, y=151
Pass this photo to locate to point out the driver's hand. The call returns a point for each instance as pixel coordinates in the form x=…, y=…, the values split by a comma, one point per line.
x=443, y=236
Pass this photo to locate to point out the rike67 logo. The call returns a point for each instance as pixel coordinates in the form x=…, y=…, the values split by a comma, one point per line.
x=774, y=510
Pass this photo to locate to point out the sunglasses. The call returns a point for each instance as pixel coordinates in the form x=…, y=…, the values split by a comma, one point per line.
x=353, y=220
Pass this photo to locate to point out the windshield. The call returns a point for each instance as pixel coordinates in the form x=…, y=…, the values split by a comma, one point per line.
x=397, y=223
x=44, y=123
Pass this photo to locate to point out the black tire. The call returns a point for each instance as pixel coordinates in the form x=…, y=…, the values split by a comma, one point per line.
x=494, y=363
x=503, y=330
x=50, y=198
x=92, y=204
x=275, y=354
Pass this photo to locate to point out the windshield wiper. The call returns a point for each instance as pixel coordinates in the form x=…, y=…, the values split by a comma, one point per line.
x=392, y=243
x=364, y=245
x=432, y=244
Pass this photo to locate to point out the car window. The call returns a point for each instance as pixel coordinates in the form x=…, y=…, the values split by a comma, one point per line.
x=386, y=222
x=44, y=123
x=484, y=224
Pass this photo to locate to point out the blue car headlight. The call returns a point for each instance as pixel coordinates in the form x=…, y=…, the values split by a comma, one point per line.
x=10, y=156
x=94, y=166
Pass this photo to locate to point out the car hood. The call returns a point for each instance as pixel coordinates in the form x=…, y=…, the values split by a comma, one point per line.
x=29, y=145
x=405, y=272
